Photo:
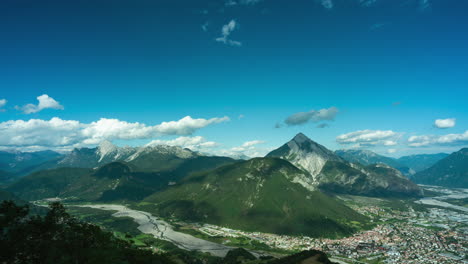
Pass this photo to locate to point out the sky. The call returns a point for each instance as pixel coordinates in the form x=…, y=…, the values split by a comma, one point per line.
x=235, y=77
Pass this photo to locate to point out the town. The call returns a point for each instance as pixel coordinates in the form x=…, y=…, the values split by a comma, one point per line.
x=437, y=236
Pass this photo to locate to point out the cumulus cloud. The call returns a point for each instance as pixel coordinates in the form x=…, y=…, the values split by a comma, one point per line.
x=313, y=116
x=45, y=102
x=193, y=143
x=445, y=123
x=187, y=125
x=391, y=151
x=71, y=133
x=428, y=140
x=246, y=150
x=389, y=143
x=369, y=137
x=226, y=32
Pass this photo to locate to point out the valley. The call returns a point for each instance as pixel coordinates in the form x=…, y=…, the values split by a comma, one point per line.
x=298, y=197
x=404, y=231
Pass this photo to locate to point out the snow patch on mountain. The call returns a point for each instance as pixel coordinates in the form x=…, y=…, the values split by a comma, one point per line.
x=105, y=148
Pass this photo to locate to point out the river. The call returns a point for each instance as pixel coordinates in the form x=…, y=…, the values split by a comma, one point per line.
x=160, y=229
x=446, y=194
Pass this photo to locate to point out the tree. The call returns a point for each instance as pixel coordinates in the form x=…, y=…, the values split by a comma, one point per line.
x=59, y=238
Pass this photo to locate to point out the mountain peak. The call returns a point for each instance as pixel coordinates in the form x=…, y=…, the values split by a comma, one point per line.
x=303, y=142
x=106, y=144
x=301, y=138
x=305, y=154
x=104, y=148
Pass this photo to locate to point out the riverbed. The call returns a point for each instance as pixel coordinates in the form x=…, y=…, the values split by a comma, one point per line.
x=446, y=194
x=160, y=229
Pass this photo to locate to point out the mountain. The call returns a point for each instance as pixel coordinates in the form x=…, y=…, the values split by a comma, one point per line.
x=332, y=173
x=367, y=157
x=421, y=162
x=93, y=157
x=149, y=158
x=451, y=171
x=113, y=181
x=21, y=163
x=378, y=180
x=408, y=165
x=305, y=154
x=261, y=194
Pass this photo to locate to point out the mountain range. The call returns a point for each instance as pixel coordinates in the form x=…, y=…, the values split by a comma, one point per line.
x=408, y=165
x=292, y=190
x=17, y=163
x=451, y=171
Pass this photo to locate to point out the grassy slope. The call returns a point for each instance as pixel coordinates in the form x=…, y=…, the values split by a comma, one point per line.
x=115, y=181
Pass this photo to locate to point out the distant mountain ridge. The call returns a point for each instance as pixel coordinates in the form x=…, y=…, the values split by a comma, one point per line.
x=421, y=162
x=451, y=171
x=17, y=163
x=332, y=173
x=107, y=152
x=367, y=157
x=408, y=165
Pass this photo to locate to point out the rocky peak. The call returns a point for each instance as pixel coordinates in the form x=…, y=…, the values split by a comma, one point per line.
x=305, y=154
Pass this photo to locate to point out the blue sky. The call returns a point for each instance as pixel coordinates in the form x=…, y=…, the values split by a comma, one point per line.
x=391, y=68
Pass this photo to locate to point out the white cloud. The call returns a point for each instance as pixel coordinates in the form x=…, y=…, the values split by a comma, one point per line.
x=391, y=151
x=252, y=143
x=187, y=125
x=313, y=115
x=369, y=137
x=193, y=143
x=428, y=140
x=70, y=133
x=45, y=102
x=389, y=143
x=3, y=102
x=226, y=32
x=328, y=4
x=445, y=123
x=248, y=149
